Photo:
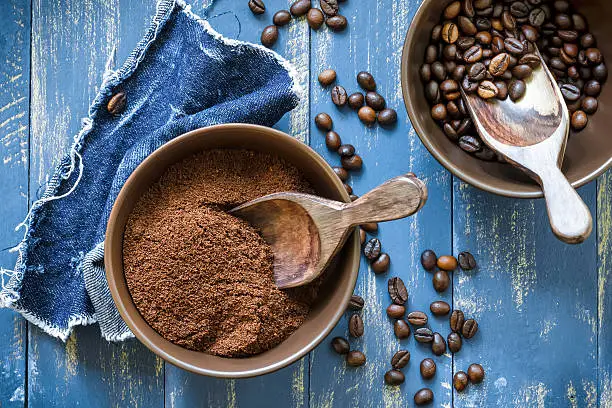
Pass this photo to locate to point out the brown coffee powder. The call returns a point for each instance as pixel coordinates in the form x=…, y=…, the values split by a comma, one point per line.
x=201, y=277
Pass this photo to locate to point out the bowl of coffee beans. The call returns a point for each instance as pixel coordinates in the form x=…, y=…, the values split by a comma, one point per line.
x=490, y=48
x=194, y=283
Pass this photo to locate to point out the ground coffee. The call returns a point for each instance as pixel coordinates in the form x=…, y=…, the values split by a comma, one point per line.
x=201, y=277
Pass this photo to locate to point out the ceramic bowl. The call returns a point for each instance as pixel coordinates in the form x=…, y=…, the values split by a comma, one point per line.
x=335, y=291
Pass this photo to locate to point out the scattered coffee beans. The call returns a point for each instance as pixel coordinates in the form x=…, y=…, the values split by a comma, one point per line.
x=366, y=81
x=400, y=359
x=340, y=345
x=355, y=358
x=269, y=36
x=117, y=103
x=394, y=377
x=424, y=335
x=281, y=18
x=423, y=396
x=466, y=261
x=372, y=249
x=381, y=264
x=367, y=115
x=475, y=373
x=387, y=117
x=315, y=18
x=401, y=329
x=337, y=23
x=429, y=259
x=460, y=381
x=428, y=368
x=356, y=100
x=370, y=227
x=397, y=291
x=457, y=320
x=447, y=263
x=353, y=163
x=395, y=311
x=441, y=281
x=470, y=327
x=327, y=77
x=257, y=6
x=438, y=345
x=339, y=96
x=324, y=121
x=300, y=7
x=356, y=325
x=454, y=342
x=356, y=303
x=439, y=308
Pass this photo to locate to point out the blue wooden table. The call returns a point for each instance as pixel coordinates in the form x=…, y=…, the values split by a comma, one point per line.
x=544, y=308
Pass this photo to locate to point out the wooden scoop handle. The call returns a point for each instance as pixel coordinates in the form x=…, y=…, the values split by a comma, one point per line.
x=570, y=218
x=397, y=198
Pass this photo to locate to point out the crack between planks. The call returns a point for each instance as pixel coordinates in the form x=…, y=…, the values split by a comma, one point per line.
x=452, y=232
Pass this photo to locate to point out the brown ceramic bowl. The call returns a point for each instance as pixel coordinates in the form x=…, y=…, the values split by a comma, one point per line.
x=588, y=155
x=335, y=291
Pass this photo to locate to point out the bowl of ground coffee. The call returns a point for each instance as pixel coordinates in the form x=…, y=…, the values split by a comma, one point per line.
x=468, y=43
x=195, y=284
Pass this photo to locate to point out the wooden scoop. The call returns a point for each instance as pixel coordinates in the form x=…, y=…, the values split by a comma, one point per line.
x=306, y=231
x=532, y=134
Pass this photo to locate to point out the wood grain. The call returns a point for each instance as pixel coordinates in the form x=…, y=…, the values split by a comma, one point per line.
x=604, y=290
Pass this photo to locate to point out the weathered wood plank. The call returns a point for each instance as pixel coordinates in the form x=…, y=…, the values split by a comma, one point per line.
x=604, y=290
x=14, y=121
x=288, y=387
x=535, y=300
x=71, y=41
x=373, y=43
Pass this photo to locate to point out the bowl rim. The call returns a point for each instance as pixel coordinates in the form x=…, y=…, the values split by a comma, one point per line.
x=447, y=162
x=111, y=242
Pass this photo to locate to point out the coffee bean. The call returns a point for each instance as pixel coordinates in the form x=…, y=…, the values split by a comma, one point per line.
x=315, y=18
x=355, y=100
x=431, y=54
x=356, y=302
x=466, y=261
x=452, y=10
x=438, y=345
x=532, y=60
x=447, y=262
x=397, y=291
x=438, y=71
x=336, y=23
x=340, y=345
x=508, y=21
x=339, y=96
x=579, y=22
x=475, y=373
x=117, y=103
x=587, y=40
x=332, y=140
x=300, y=7
x=454, y=342
x=428, y=259
x=502, y=90
x=372, y=249
x=487, y=90
x=450, y=32
x=356, y=326
x=563, y=21
x=537, y=16
x=423, y=396
x=441, y=281
x=417, y=318
x=327, y=77
x=362, y=233
x=470, y=327
x=341, y=173
x=516, y=90
x=450, y=53
x=592, y=88
x=579, y=120
x=281, y=18
x=370, y=227
x=514, y=46
x=381, y=264
x=366, y=80
x=329, y=7
x=438, y=112
x=600, y=72
x=432, y=93
x=353, y=163
x=473, y=54
x=367, y=115
x=463, y=43
x=257, y=6
x=589, y=105
x=395, y=311
x=476, y=72
x=375, y=101
x=522, y=71
x=561, y=6
x=423, y=335
x=457, y=320
x=355, y=358
x=570, y=92
x=530, y=33
x=450, y=132
x=401, y=329
x=460, y=381
x=469, y=144
x=458, y=73
x=387, y=117
x=324, y=121
x=394, y=377
x=424, y=72
x=428, y=368
x=499, y=64
x=467, y=7
x=400, y=359
x=439, y=308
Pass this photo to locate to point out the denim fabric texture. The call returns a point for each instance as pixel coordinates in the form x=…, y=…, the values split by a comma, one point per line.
x=181, y=76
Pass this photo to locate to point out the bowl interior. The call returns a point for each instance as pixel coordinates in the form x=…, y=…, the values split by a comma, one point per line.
x=588, y=154
x=335, y=291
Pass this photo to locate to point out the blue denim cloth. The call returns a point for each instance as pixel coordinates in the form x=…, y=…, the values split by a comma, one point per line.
x=182, y=76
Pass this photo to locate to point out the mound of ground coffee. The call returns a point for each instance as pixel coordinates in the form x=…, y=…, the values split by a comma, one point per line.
x=201, y=277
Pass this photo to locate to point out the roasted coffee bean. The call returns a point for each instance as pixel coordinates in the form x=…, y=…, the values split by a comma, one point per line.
x=579, y=120
x=397, y=291
x=329, y=7
x=257, y=6
x=473, y=54
x=432, y=93
x=370, y=227
x=428, y=368
x=561, y=6
x=508, y=21
x=502, y=90
x=587, y=40
x=530, y=33
x=281, y=18
x=387, y=117
x=424, y=73
x=441, y=281
x=452, y=10
x=592, y=88
x=348, y=188
x=466, y=26
x=396, y=311
x=567, y=35
x=447, y=262
x=457, y=320
x=487, y=90
x=315, y=18
x=476, y=72
x=570, y=92
x=463, y=43
x=579, y=22
x=356, y=302
x=327, y=77
x=375, y=101
x=381, y=264
x=453, y=110
x=438, y=112
x=514, y=46
x=585, y=73
x=431, y=55
x=454, y=342
x=556, y=63
x=438, y=345
x=401, y=329
x=570, y=50
x=531, y=60
x=367, y=115
x=394, y=377
x=355, y=358
x=372, y=249
x=516, y=90
x=336, y=23
x=450, y=132
x=467, y=7
x=439, y=308
x=537, y=17
x=438, y=71
x=429, y=259
x=450, y=32
x=460, y=381
x=522, y=71
x=355, y=100
x=341, y=173
x=466, y=261
x=400, y=359
x=117, y=103
x=573, y=73
x=519, y=9
x=482, y=4
x=483, y=37
x=469, y=144
x=423, y=396
x=324, y=121
x=475, y=373
x=450, y=53
x=449, y=86
x=499, y=64
x=300, y=7
x=332, y=140
x=353, y=163
x=563, y=21
x=339, y=96
x=423, y=335
x=417, y=318
x=470, y=327
x=366, y=80
x=356, y=325
x=340, y=345
x=458, y=73
x=589, y=105
x=464, y=126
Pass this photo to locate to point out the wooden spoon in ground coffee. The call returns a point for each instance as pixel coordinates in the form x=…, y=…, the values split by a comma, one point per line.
x=532, y=134
x=306, y=231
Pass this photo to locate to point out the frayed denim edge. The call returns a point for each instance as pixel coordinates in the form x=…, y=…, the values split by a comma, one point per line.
x=164, y=9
